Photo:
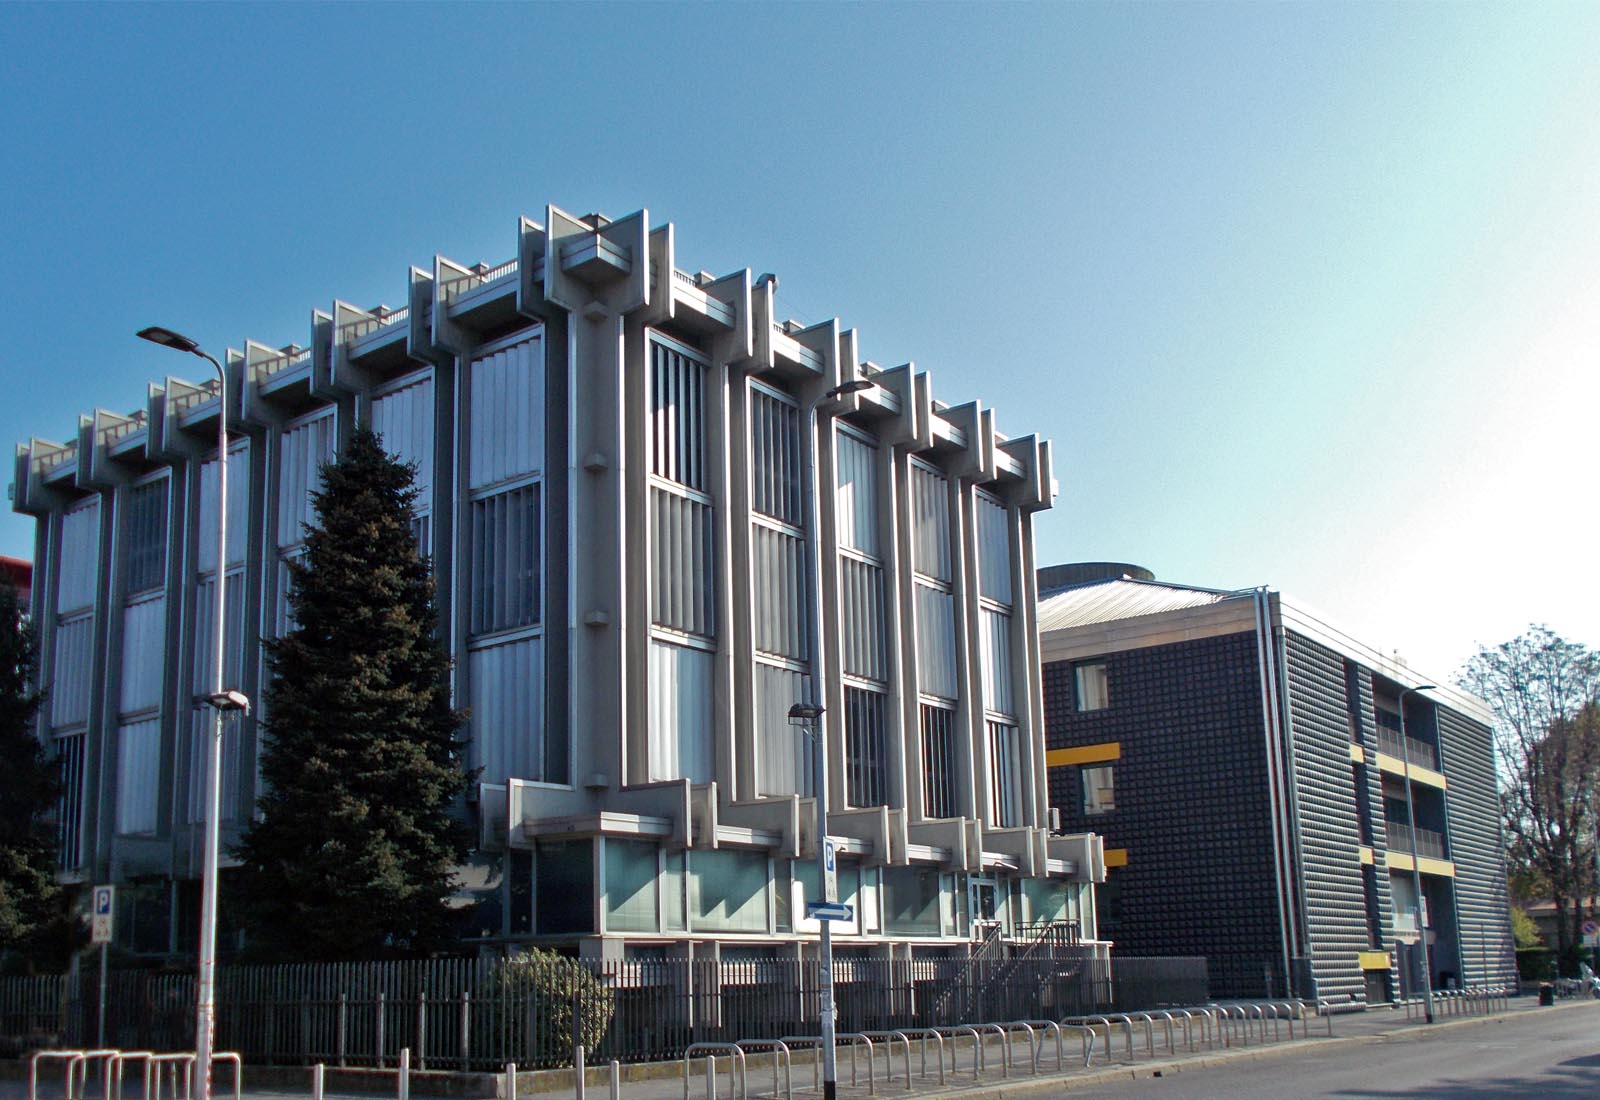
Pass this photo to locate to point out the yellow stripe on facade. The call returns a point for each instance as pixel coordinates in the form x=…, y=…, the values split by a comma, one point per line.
x=1401, y=861
x=1084, y=754
x=1374, y=960
x=1116, y=857
x=1426, y=776
x=1358, y=755
x=1367, y=856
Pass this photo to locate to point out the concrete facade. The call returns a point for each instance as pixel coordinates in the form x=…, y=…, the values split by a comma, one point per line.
x=612, y=458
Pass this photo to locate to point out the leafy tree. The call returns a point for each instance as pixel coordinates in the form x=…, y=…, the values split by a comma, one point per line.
x=1524, y=930
x=1543, y=690
x=33, y=917
x=355, y=851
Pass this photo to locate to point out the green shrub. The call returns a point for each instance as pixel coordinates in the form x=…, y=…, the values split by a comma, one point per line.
x=1536, y=964
x=541, y=991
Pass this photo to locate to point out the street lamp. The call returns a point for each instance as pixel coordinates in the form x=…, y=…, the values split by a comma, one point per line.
x=809, y=715
x=1416, y=869
x=220, y=700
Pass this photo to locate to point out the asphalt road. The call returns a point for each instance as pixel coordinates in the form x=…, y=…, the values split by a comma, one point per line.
x=1553, y=1055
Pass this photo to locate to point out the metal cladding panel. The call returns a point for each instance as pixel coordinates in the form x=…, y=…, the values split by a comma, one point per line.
x=507, y=710
x=677, y=417
x=138, y=776
x=776, y=471
x=930, y=523
x=683, y=546
x=199, y=731
x=857, y=464
x=1005, y=772
x=1329, y=830
x=777, y=566
x=506, y=434
x=1109, y=601
x=936, y=642
x=144, y=652
x=238, y=509
x=205, y=621
x=144, y=535
x=1191, y=805
x=681, y=721
x=994, y=549
x=403, y=418
x=783, y=750
x=998, y=689
x=1477, y=847
x=69, y=685
x=302, y=452
x=862, y=607
x=80, y=557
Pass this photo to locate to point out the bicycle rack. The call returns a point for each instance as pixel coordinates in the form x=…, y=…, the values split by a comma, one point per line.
x=956, y=1032
x=887, y=1040
x=780, y=1055
x=924, y=1034
x=737, y=1074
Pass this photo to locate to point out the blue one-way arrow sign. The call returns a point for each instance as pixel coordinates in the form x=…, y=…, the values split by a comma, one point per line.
x=829, y=910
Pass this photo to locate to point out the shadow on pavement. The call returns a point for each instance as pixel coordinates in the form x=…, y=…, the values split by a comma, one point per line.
x=1574, y=1079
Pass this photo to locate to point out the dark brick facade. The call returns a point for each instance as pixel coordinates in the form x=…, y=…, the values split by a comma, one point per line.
x=1192, y=805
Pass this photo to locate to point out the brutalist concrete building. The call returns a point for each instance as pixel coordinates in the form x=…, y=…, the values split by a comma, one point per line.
x=612, y=453
x=1243, y=759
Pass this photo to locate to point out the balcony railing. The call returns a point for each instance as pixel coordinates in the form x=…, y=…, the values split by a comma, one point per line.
x=451, y=289
x=289, y=357
x=121, y=428
x=1407, y=748
x=1430, y=845
x=191, y=397
x=354, y=330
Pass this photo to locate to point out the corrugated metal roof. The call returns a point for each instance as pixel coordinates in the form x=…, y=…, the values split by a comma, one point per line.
x=1106, y=601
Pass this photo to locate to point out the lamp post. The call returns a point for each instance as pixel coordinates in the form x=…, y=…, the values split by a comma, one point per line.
x=809, y=715
x=220, y=700
x=1416, y=870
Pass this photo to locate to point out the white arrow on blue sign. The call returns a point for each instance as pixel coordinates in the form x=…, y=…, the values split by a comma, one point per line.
x=826, y=910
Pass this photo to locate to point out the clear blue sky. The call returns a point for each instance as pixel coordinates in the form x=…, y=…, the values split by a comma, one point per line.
x=1306, y=295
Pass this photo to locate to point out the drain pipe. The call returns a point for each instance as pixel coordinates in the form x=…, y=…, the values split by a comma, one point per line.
x=1276, y=795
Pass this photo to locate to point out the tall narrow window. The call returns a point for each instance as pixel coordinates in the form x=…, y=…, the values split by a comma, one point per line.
x=502, y=524
x=78, y=570
x=866, y=763
x=202, y=617
x=938, y=762
x=1005, y=775
x=1099, y=789
x=865, y=657
x=402, y=415
x=144, y=647
x=144, y=533
x=682, y=568
x=780, y=588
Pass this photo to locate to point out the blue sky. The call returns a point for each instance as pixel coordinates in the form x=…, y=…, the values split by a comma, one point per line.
x=1306, y=295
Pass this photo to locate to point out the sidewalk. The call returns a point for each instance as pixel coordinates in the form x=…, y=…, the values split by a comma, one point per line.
x=664, y=1081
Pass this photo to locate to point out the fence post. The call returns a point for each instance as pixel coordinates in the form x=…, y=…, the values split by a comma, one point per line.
x=344, y=1026
x=466, y=1027
x=422, y=1029
x=403, y=1078
x=378, y=1031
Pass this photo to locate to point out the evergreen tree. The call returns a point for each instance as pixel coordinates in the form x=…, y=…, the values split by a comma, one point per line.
x=354, y=854
x=31, y=902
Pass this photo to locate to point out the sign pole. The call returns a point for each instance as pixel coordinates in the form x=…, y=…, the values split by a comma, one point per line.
x=100, y=1040
x=101, y=920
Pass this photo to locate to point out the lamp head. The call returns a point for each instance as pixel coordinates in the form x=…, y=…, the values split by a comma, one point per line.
x=229, y=701
x=168, y=339
x=855, y=385
x=805, y=714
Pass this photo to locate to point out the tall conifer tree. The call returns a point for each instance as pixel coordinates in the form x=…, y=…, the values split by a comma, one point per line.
x=31, y=902
x=354, y=854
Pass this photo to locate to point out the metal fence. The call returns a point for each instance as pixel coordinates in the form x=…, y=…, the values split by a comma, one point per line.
x=479, y=1014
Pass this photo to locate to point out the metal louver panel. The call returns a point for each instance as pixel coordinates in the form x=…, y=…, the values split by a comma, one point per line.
x=144, y=651
x=677, y=417
x=866, y=758
x=998, y=689
x=403, y=419
x=783, y=750
x=994, y=549
x=69, y=686
x=144, y=536
x=680, y=732
x=80, y=557
x=938, y=762
x=238, y=509
x=505, y=560
x=930, y=523
x=776, y=472
x=505, y=436
x=780, y=592
x=138, y=776
x=302, y=451
x=682, y=595
x=199, y=732
x=862, y=606
x=857, y=464
x=507, y=711
x=1005, y=775
x=936, y=642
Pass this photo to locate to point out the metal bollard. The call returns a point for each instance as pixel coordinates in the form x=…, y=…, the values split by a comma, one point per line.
x=579, y=1070
x=711, y=1077
x=614, y=1079
x=403, y=1076
x=316, y=1081
x=510, y=1090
